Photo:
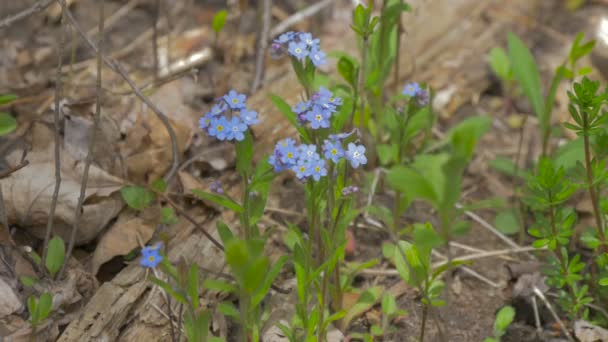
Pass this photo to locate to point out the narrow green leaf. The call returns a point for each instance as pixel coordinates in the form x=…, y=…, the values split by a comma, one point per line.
x=244, y=155
x=526, y=72
x=504, y=317
x=507, y=222
x=219, y=285
x=28, y=281
x=500, y=64
x=368, y=299
x=7, y=98
x=45, y=305
x=229, y=310
x=219, y=200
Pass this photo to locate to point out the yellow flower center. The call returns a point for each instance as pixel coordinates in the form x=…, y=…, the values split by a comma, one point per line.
x=302, y=168
x=220, y=128
x=318, y=117
x=151, y=258
x=298, y=50
x=289, y=155
x=318, y=169
x=334, y=151
x=235, y=101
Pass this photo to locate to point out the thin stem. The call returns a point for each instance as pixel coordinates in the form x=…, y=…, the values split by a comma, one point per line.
x=397, y=51
x=57, y=139
x=425, y=309
x=592, y=193
x=180, y=314
x=362, y=83
x=155, y=39
x=245, y=216
x=92, y=140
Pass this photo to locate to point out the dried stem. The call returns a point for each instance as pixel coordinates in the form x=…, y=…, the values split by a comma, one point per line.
x=35, y=8
x=114, y=66
x=57, y=136
x=155, y=38
x=8, y=172
x=92, y=138
x=264, y=18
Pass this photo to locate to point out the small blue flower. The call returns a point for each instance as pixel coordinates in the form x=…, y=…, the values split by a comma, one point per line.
x=351, y=189
x=285, y=143
x=150, y=256
x=298, y=50
x=236, y=129
x=356, y=155
x=275, y=161
x=219, y=128
x=302, y=169
x=333, y=150
x=317, y=57
x=301, y=107
x=411, y=89
x=308, y=152
x=285, y=37
x=235, y=100
x=218, y=109
x=217, y=187
x=318, y=117
x=289, y=155
x=317, y=169
x=205, y=121
x=249, y=117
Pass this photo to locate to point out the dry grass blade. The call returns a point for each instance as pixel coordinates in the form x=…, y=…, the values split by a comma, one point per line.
x=35, y=8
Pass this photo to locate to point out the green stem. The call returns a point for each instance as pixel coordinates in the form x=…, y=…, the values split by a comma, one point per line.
x=361, y=85
x=245, y=215
x=425, y=309
x=592, y=192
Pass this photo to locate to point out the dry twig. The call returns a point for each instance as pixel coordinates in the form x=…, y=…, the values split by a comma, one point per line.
x=92, y=138
x=35, y=8
x=116, y=67
x=299, y=16
x=264, y=14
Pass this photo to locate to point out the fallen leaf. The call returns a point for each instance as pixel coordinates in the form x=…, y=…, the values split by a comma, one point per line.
x=587, y=332
x=124, y=236
x=9, y=301
x=29, y=192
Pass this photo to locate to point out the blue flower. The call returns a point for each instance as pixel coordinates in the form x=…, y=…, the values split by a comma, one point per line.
x=301, y=107
x=275, y=161
x=285, y=143
x=217, y=187
x=218, y=109
x=219, y=128
x=302, y=169
x=235, y=100
x=317, y=169
x=317, y=57
x=307, y=38
x=249, y=117
x=318, y=117
x=236, y=129
x=351, y=189
x=333, y=150
x=205, y=121
x=411, y=89
x=308, y=152
x=285, y=37
x=355, y=154
x=150, y=256
x=298, y=50
x=289, y=155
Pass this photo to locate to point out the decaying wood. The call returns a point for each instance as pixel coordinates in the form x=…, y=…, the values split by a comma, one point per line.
x=447, y=40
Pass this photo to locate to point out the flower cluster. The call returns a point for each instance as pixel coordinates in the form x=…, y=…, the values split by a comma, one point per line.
x=223, y=123
x=416, y=91
x=307, y=163
x=299, y=45
x=150, y=256
x=318, y=110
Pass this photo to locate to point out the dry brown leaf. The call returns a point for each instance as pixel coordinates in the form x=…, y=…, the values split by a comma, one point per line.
x=147, y=149
x=124, y=236
x=9, y=301
x=29, y=191
x=189, y=182
x=587, y=332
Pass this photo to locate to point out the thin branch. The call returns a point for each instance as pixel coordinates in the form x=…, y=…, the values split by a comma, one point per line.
x=264, y=17
x=92, y=138
x=490, y=254
x=542, y=297
x=299, y=16
x=155, y=38
x=35, y=8
x=116, y=67
x=8, y=172
x=61, y=42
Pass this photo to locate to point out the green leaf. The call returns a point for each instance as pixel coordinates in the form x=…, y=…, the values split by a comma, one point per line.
x=389, y=304
x=28, y=281
x=169, y=289
x=604, y=282
x=348, y=70
x=7, y=98
x=368, y=299
x=193, y=282
x=159, y=185
x=219, y=20
x=44, y=307
x=465, y=135
x=570, y=154
x=386, y=153
x=228, y=309
x=219, y=285
x=219, y=200
x=32, y=304
x=526, y=72
x=504, y=318
x=168, y=216
x=55, y=255
x=270, y=277
x=500, y=64
x=412, y=182
x=507, y=166
x=244, y=155
x=7, y=124
x=507, y=222
x=225, y=232
x=137, y=197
